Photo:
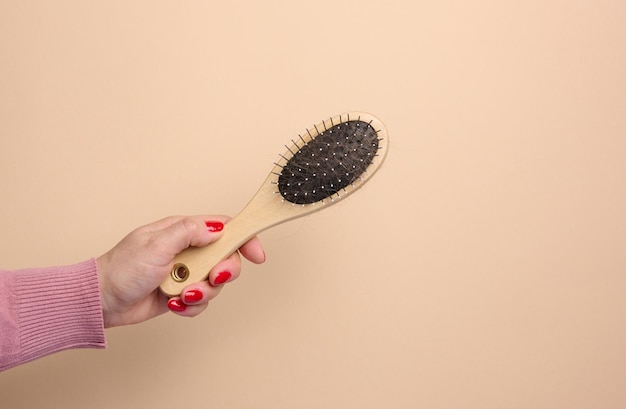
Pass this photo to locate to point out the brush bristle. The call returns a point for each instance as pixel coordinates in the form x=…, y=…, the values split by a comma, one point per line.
x=330, y=162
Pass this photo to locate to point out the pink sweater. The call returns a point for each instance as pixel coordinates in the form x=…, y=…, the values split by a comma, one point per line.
x=46, y=310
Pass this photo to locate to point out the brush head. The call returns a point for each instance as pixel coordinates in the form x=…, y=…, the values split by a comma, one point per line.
x=330, y=158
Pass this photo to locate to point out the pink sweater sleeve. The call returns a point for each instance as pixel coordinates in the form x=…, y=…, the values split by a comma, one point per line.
x=46, y=310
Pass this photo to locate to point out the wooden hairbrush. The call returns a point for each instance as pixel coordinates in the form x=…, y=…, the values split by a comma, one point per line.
x=323, y=165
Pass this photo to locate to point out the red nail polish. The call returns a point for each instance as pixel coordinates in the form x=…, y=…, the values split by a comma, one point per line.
x=222, y=277
x=214, y=226
x=176, y=305
x=192, y=296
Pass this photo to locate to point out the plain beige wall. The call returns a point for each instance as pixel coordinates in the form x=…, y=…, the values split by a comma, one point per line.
x=483, y=267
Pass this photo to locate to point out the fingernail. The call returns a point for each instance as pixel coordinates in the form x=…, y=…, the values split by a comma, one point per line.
x=192, y=296
x=222, y=277
x=214, y=226
x=176, y=305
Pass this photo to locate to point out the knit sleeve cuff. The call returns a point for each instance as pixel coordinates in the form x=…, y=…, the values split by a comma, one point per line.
x=59, y=308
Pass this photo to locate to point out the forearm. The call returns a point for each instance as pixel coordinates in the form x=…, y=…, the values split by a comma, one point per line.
x=46, y=310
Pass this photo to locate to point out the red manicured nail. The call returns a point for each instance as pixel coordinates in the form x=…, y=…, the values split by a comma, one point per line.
x=192, y=296
x=214, y=226
x=222, y=277
x=176, y=305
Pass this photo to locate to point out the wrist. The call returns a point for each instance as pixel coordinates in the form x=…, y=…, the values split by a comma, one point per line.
x=101, y=268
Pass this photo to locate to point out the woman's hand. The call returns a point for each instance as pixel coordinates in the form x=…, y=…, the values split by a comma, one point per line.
x=132, y=271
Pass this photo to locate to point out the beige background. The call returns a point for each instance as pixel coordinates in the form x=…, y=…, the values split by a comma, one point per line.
x=483, y=267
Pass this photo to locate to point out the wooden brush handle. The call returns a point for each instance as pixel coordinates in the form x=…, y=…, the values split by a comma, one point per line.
x=193, y=264
x=265, y=210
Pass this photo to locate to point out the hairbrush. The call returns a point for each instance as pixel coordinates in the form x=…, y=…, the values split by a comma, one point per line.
x=321, y=166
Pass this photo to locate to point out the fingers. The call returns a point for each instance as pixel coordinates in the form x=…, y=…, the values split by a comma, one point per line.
x=195, y=298
x=253, y=251
x=179, y=308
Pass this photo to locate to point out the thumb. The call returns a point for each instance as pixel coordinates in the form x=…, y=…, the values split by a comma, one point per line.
x=192, y=231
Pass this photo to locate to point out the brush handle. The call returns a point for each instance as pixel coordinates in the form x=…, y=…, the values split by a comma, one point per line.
x=265, y=210
x=198, y=261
